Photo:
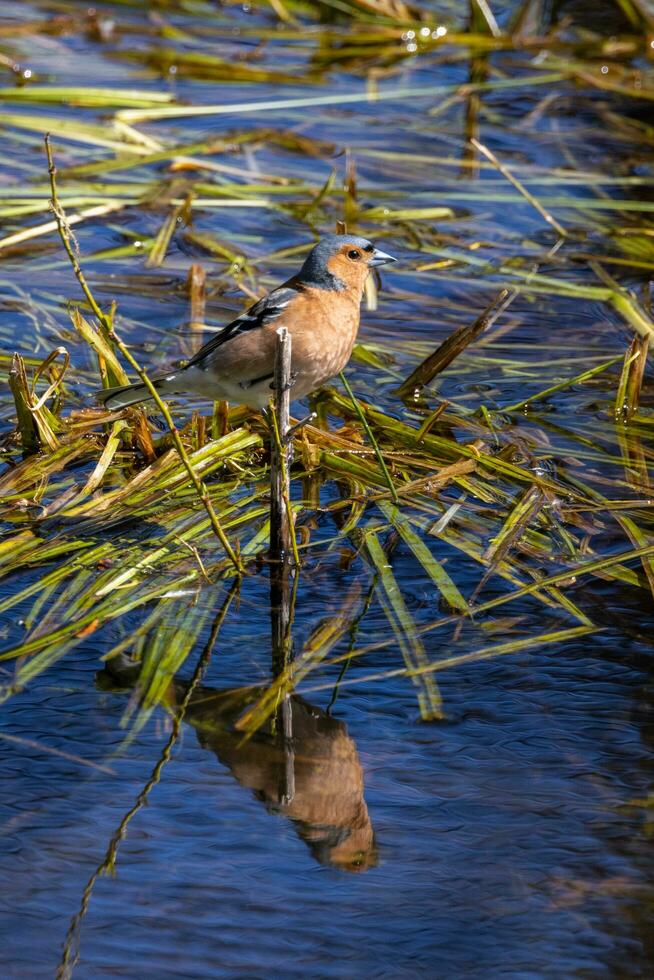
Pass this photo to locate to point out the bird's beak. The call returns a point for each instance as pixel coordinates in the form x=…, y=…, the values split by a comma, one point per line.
x=380, y=258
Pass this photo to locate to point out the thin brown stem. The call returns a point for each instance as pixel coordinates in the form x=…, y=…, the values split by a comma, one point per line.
x=519, y=186
x=282, y=534
x=107, y=325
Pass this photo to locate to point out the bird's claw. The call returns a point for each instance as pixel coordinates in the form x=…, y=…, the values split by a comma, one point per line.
x=291, y=381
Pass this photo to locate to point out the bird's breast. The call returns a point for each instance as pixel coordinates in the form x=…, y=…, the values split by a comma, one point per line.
x=323, y=330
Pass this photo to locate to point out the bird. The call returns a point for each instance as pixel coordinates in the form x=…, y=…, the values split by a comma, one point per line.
x=320, y=307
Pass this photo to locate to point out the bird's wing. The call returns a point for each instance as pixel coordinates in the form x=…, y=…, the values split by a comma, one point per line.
x=262, y=313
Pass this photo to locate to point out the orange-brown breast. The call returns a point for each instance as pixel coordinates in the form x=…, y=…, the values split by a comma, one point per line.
x=323, y=325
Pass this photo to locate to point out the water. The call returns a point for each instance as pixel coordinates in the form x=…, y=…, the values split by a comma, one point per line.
x=505, y=840
x=501, y=845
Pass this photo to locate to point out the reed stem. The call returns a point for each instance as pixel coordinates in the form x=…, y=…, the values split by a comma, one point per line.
x=106, y=325
x=282, y=535
x=373, y=441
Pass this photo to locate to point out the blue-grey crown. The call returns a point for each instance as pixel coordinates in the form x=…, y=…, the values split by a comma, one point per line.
x=314, y=272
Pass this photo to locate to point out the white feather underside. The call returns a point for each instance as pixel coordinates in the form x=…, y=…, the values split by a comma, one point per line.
x=196, y=382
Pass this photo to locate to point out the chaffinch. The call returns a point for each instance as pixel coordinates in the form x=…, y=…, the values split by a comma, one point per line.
x=320, y=307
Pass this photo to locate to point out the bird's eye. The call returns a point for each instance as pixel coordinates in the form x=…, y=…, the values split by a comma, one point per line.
x=354, y=255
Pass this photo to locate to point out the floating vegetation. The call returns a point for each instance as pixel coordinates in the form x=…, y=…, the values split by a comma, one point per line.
x=540, y=483
x=101, y=522
x=475, y=488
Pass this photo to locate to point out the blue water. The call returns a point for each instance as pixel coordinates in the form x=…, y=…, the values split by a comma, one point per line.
x=503, y=841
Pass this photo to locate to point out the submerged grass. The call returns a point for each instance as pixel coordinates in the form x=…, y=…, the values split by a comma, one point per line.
x=505, y=492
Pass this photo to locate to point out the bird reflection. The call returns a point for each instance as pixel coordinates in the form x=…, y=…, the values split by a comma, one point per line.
x=315, y=779
x=325, y=797
x=301, y=763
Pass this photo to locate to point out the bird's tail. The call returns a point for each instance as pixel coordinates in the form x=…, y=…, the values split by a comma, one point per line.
x=125, y=395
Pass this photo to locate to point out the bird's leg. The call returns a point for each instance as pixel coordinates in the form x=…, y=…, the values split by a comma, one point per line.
x=291, y=381
x=292, y=432
x=267, y=417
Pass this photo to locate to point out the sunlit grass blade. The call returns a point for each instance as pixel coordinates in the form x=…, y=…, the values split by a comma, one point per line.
x=434, y=569
x=335, y=99
x=402, y=625
x=523, y=645
x=97, y=98
x=631, y=379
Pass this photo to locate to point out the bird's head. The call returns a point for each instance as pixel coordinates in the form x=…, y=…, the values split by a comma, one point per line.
x=340, y=262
